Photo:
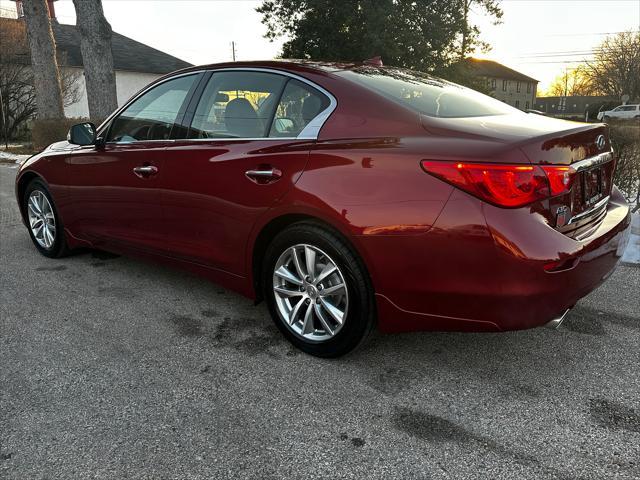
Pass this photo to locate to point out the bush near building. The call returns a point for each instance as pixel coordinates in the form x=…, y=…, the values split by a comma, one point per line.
x=46, y=132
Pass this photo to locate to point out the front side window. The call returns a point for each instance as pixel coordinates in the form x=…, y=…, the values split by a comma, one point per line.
x=300, y=103
x=153, y=115
x=237, y=105
x=425, y=94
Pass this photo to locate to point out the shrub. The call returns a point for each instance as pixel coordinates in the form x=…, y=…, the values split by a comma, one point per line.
x=46, y=132
x=625, y=139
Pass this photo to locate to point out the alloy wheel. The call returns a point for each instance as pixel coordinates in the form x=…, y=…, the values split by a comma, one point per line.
x=42, y=221
x=310, y=292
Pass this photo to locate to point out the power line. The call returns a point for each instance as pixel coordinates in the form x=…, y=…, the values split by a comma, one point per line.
x=586, y=34
x=558, y=62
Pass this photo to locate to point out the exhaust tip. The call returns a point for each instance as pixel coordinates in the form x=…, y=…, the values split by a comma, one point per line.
x=556, y=322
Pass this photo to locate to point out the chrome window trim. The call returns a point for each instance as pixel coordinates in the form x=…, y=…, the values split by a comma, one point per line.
x=236, y=139
x=309, y=132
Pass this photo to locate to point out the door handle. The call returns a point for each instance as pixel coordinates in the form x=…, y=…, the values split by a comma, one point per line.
x=145, y=171
x=263, y=175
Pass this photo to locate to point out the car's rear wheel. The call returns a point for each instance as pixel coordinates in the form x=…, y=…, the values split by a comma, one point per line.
x=318, y=291
x=43, y=221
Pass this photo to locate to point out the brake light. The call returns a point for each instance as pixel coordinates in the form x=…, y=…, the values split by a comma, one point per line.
x=502, y=185
x=560, y=178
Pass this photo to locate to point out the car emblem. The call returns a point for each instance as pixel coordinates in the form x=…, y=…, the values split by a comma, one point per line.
x=562, y=216
x=600, y=142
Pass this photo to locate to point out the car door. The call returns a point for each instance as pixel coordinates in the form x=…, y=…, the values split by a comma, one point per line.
x=236, y=162
x=114, y=187
x=629, y=111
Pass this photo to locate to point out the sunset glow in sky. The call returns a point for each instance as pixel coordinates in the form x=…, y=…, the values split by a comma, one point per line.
x=537, y=37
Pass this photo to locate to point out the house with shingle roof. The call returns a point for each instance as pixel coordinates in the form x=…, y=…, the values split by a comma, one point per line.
x=136, y=64
x=504, y=83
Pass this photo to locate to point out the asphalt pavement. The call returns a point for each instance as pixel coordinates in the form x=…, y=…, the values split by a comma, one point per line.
x=115, y=368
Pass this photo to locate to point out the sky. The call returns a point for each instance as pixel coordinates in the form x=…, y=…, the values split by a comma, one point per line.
x=537, y=37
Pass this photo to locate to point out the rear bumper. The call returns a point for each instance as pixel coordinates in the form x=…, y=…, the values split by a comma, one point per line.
x=482, y=268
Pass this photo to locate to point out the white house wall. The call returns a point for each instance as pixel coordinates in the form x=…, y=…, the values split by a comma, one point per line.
x=127, y=84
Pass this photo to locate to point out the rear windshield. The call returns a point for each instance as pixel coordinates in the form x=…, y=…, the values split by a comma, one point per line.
x=426, y=94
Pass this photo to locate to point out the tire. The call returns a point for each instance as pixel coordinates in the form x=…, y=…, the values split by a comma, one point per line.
x=355, y=301
x=57, y=247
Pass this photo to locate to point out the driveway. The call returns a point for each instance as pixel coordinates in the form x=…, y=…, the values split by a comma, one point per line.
x=115, y=368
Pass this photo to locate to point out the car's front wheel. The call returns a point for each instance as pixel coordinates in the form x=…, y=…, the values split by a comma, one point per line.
x=43, y=221
x=318, y=290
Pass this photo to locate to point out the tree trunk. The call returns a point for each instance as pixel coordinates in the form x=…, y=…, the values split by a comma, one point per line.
x=97, y=57
x=465, y=29
x=43, y=58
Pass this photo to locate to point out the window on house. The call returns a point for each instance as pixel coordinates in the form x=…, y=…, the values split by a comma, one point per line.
x=504, y=85
x=518, y=87
x=528, y=87
x=526, y=105
x=493, y=83
x=517, y=103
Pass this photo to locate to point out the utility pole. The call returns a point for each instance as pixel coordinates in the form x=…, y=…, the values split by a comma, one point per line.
x=233, y=50
x=566, y=88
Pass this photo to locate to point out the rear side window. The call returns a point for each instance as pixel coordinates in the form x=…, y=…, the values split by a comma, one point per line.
x=152, y=116
x=300, y=103
x=425, y=94
x=237, y=105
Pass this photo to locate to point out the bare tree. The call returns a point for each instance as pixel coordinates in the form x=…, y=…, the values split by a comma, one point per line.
x=574, y=81
x=615, y=69
x=17, y=82
x=46, y=76
x=97, y=57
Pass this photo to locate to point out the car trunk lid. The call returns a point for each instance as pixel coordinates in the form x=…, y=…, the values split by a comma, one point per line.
x=585, y=150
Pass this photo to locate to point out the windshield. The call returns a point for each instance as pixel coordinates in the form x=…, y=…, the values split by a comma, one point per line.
x=426, y=94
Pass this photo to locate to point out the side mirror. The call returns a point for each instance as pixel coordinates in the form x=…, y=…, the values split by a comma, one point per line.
x=283, y=125
x=82, y=134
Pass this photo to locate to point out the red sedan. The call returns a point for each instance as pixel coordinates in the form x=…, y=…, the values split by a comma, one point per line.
x=346, y=196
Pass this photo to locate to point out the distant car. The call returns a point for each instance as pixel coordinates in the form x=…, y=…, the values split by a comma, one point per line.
x=346, y=196
x=622, y=112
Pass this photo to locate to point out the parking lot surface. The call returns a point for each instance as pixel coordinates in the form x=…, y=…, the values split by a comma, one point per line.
x=115, y=368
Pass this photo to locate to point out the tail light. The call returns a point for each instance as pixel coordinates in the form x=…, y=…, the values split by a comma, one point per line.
x=560, y=178
x=504, y=185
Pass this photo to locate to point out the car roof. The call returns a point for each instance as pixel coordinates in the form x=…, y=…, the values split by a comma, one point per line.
x=284, y=64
